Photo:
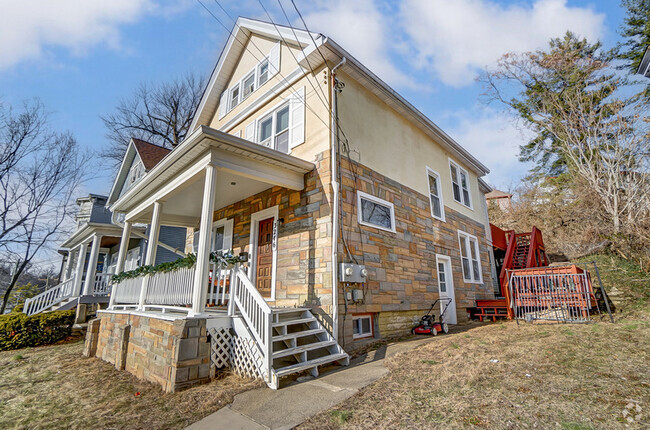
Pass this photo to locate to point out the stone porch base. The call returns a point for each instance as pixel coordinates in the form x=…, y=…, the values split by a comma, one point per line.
x=171, y=352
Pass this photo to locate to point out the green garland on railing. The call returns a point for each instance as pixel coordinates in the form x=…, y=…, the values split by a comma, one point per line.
x=224, y=259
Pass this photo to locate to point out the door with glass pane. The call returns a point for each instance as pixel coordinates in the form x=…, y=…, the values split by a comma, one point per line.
x=446, y=287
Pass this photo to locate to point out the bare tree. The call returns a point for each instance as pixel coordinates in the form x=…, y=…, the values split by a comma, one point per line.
x=40, y=172
x=160, y=114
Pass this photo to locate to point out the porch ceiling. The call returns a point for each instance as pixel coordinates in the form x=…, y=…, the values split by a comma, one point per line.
x=86, y=231
x=244, y=168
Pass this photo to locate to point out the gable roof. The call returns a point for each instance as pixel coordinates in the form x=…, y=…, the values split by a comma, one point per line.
x=150, y=154
x=315, y=46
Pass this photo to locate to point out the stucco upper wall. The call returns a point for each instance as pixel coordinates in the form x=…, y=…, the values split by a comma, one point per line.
x=390, y=144
x=261, y=101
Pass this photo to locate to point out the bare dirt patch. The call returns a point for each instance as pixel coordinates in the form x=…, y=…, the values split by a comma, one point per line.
x=56, y=387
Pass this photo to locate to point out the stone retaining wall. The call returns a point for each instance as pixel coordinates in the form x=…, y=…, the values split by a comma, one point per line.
x=174, y=354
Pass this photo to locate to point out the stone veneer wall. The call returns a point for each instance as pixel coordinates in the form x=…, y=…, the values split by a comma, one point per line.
x=304, y=237
x=402, y=266
x=174, y=354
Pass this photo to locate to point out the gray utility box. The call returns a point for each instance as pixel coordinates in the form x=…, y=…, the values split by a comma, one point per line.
x=353, y=273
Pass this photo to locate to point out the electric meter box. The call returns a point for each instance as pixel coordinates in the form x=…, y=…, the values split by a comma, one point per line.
x=353, y=273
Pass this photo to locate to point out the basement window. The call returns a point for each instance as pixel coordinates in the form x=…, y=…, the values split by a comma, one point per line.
x=460, y=184
x=435, y=195
x=469, y=255
x=375, y=212
x=362, y=326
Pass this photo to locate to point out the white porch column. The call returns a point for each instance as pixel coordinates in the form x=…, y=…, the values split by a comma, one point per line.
x=68, y=266
x=92, y=266
x=79, y=270
x=205, y=235
x=152, y=246
x=124, y=247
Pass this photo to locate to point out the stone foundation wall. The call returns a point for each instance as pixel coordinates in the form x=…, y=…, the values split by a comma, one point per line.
x=402, y=279
x=174, y=354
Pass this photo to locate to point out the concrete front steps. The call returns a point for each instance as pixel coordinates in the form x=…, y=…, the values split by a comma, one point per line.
x=301, y=343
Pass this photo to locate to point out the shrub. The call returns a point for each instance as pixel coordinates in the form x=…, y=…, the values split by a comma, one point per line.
x=18, y=330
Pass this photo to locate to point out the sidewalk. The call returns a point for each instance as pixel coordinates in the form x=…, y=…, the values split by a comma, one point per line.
x=288, y=407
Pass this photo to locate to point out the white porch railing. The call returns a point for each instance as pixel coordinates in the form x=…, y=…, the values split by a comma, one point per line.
x=170, y=289
x=49, y=298
x=102, y=284
x=256, y=312
x=127, y=292
x=219, y=285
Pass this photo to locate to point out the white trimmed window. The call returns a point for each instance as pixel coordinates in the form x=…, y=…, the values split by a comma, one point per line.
x=234, y=97
x=262, y=73
x=435, y=195
x=273, y=129
x=135, y=172
x=248, y=85
x=375, y=212
x=362, y=326
x=460, y=184
x=469, y=255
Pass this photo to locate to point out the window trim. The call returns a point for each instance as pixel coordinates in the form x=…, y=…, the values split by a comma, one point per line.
x=460, y=169
x=431, y=172
x=462, y=235
x=258, y=73
x=272, y=113
x=253, y=74
x=356, y=317
x=230, y=98
x=377, y=200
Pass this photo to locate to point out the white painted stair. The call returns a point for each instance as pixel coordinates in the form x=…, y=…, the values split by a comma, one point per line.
x=301, y=343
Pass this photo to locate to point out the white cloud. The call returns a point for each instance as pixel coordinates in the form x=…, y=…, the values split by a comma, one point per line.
x=360, y=28
x=30, y=29
x=457, y=37
x=493, y=138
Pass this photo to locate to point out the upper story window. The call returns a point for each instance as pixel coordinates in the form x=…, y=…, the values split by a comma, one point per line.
x=469, y=255
x=283, y=126
x=234, y=97
x=261, y=73
x=460, y=184
x=135, y=172
x=435, y=195
x=375, y=212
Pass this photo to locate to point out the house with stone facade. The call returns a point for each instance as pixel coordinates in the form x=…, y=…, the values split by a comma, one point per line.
x=89, y=254
x=323, y=211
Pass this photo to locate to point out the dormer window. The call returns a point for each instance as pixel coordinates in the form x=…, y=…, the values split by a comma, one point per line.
x=263, y=73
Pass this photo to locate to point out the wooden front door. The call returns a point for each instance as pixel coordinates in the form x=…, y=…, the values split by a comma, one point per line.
x=264, y=256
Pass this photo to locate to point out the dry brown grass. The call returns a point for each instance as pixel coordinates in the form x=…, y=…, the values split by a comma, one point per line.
x=547, y=376
x=56, y=387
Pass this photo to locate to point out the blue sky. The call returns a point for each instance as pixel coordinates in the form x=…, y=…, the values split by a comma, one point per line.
x=81, y=57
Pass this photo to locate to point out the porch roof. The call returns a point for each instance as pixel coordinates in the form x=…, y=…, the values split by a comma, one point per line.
x=255, y=165
x=87, y=230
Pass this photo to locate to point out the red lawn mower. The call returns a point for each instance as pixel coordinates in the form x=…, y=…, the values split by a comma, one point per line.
x=428, y=324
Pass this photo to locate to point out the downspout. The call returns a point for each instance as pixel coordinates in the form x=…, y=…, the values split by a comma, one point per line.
x=335, y=207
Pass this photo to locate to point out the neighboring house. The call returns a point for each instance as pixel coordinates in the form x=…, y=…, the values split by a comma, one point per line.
x=644, y=65
x=296, y=146
x=500, y=198
x=90, y=253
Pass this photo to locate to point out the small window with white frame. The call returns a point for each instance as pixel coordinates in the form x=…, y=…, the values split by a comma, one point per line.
x=435, y=195
x=263, y=72
x=460, y=184
x=469, y=254
x=248, y=85
x=273, y=129
x=362, y=326
x=234, y=97
x=375, y=212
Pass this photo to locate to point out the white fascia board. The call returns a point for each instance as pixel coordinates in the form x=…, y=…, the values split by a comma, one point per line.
x=411, y=111
x=129, y=154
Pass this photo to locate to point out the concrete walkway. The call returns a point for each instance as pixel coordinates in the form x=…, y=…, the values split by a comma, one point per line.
x=288, y=407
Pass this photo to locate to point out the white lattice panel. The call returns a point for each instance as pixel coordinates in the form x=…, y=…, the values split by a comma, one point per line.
x=246, y=360
x=220, y=347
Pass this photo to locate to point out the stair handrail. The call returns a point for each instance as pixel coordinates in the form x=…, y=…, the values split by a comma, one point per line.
x=507, y=260
x=532, y=249
x=256, y=313
x=49, y=298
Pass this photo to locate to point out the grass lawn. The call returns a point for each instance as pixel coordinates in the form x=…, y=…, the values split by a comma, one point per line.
x=504, y=375
x=56, y=387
